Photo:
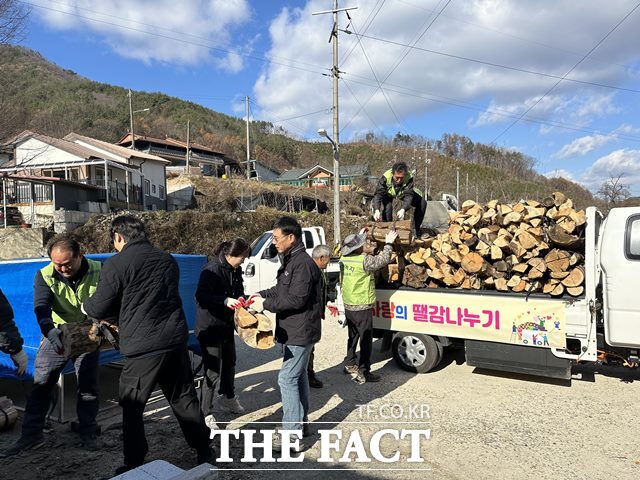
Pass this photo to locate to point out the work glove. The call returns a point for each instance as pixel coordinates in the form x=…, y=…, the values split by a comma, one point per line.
x=54, y=337
x=232, y=303
x=20, y=361
x=400, y=214
x=377, y=216
x=390, y=237
x=333, y=310
x=257, y=304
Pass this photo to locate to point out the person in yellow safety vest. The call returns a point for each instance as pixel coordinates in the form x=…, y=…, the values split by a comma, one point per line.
x=397, y=182
x=59, y=290
x=357, y=265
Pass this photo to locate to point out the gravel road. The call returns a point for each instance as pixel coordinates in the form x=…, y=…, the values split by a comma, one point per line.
x=483, y=425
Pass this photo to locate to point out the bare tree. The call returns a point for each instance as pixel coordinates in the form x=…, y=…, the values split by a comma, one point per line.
x=13, y=17
x=613, y=191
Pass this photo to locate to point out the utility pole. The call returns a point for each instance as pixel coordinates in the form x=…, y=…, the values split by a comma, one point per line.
x=246, y=101
x=336, y=126
x=133, y=138
x=188, y=153
x=427, y=160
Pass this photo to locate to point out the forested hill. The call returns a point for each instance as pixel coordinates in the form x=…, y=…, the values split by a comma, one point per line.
x=35, y=94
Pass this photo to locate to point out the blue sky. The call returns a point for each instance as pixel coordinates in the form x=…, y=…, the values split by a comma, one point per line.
x=557, y=80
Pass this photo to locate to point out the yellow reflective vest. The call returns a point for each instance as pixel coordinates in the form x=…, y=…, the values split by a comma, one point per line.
x=358, y=286
x=66, y=302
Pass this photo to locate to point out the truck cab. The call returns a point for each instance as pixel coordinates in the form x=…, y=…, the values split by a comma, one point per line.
x=260, y=269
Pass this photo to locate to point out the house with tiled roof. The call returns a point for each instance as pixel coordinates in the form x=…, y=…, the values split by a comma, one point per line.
x=323, y=177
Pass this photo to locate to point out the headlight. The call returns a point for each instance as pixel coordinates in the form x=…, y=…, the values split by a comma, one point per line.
x=250, y=271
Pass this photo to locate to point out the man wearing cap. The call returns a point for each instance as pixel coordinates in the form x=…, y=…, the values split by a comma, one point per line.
x=357, y=265
x=397, y=182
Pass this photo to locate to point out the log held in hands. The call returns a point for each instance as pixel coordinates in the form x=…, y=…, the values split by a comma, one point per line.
x=378, y=231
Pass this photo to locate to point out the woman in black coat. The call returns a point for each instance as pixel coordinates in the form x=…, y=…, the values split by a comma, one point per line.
x=219, y=288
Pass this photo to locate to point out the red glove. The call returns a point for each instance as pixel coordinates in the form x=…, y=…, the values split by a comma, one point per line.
x=333, y=310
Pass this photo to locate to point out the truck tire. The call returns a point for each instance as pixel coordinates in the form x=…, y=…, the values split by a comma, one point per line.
x=416, y=352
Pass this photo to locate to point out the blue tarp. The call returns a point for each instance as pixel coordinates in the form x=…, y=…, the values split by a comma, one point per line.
x=16, y=281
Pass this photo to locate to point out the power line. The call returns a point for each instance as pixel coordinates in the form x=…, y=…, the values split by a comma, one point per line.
x=367, y=23
x=570, y=70
x=493, y=64
x=182, y=40
x=386, y=97
x=478, y=108
x=401, y=59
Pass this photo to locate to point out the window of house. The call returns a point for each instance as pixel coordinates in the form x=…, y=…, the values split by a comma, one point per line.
x=147, y=187
x=153, y=188
x=161, y=192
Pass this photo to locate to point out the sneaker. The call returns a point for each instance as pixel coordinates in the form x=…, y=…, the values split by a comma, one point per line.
x=315, y=382
x=367, y=377
x=230, y=404
x=210, y=421
x=23, y=444
x=350, y=369
x=277, y=443
x=205, y=456
x=89, y=442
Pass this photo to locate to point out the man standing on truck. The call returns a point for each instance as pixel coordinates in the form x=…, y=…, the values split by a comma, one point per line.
x=357, y=265
x=141, y=283
x=58, y=291
x=296, y=300
x=397, y=182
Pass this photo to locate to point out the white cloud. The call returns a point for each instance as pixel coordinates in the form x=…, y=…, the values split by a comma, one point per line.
x=560, y=173
x=625, y=162
x=515, y=34
x=583, y=145
x=157, y=30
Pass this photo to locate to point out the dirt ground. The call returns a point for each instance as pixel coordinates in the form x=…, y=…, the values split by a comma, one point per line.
x=483, y=425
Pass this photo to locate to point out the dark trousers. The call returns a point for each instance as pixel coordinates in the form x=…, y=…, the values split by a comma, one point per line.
x=310, y=370
x=419, y=209
x=172, y=371
x=47, y=368
x=219, y=365
x=360, y=327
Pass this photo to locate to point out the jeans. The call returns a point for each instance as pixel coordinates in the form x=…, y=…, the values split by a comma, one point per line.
x=294, y=386
x=47, y=368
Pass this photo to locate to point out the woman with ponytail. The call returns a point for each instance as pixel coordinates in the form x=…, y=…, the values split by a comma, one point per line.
x=217, y=295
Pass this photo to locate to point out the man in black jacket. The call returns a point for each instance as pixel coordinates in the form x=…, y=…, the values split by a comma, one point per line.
x=140, y=285
x=397, y=182
x=10, y=340
x=296, y=300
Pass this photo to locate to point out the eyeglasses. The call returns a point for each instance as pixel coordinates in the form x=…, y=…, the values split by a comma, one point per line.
x=277, y=239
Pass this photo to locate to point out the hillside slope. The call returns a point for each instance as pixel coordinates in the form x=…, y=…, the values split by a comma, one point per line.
x=38, y=95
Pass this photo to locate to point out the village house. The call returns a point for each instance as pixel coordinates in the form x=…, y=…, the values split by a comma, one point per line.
x=79, y=174
x=322, y=177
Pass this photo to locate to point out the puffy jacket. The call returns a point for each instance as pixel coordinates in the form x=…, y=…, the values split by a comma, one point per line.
x=296, y=299
x=386, y=188
x=10, y=340
x=218, y=280
x=141, y=284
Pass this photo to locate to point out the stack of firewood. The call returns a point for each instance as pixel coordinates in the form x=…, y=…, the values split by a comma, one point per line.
x=523, y=247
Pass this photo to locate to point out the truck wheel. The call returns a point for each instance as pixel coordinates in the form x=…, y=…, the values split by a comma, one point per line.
x=416, y=352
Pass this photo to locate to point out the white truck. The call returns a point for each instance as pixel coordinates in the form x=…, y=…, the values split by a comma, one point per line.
x=533, y=334
x=260, y=269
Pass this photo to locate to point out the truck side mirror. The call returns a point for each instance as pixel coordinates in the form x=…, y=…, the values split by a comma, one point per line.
x=270, y=252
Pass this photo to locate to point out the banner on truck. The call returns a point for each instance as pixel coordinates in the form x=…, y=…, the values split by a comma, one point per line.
x=535, y=322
